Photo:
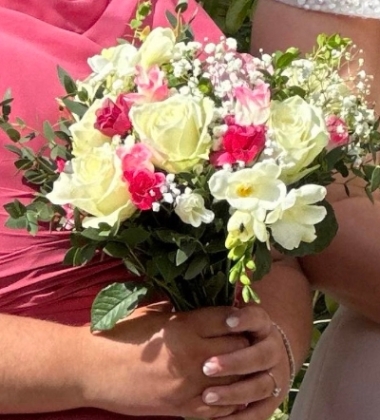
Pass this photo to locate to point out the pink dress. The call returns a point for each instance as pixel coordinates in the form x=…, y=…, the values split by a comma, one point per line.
x=36, y=36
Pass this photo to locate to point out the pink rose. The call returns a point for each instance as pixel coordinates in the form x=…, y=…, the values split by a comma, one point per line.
x=338, y=131
x=136, y=157
x=240, y=143
x=144, y=187
x=60, y=164
x=112, y=118
x=252, y=106
x=151, y=86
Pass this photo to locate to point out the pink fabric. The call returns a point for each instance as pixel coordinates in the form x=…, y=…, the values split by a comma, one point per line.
x=36, y=36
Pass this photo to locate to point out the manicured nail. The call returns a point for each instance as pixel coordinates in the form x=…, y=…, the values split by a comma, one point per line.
x=211, y=397
x=232, y=321
x=210, y=368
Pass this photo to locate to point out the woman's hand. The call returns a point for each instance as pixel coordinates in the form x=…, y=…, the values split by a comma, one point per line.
x=263, y=366
x=151, y=363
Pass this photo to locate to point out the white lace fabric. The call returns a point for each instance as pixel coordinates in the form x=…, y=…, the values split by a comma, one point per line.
x=358, y=8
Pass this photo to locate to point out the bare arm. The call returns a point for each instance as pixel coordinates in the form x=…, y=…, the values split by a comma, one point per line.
x=49, y=367
x=349, y=268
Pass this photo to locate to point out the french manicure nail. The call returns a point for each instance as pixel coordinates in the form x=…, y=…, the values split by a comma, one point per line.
x=232, y=321
x=210, y=368
x=211, y=397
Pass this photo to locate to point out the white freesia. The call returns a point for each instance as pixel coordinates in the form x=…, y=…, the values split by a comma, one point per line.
x=191, y=209
x=300, y=132
x=244, y=226
x=250, y=189
x=294, y=221
x=240, y=226
x=85, y=136
x=95, y=186
x=120, y=59
x=175, y=130
x=157, y=48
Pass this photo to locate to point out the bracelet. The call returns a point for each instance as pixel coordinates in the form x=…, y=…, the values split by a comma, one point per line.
x=289, y=352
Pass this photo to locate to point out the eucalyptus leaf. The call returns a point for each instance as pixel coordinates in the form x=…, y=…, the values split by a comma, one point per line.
x=114, y=303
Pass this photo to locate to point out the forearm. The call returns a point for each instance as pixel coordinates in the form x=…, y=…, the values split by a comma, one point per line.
x=285, y=294
x=40, y=366
x=348, y=269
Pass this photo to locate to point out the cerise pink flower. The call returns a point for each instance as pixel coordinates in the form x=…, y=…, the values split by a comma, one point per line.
x=112, y=118
x=144, y=187
x=60, y=164
x=240, y=143
x=338, y=131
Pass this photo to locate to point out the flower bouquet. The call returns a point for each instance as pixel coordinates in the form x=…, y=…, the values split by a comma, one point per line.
x=190, y=162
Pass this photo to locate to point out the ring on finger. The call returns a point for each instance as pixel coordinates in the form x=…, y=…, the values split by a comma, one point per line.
x=276, y=389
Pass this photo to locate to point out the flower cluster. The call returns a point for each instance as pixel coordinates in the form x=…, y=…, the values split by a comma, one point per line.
x=197, y=143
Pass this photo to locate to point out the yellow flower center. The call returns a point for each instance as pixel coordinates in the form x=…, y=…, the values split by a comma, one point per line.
x=244, y=190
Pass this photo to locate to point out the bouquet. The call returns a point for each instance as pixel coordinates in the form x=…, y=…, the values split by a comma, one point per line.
x=190, y=162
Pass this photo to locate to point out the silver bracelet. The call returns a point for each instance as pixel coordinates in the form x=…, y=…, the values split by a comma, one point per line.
x=289, y=352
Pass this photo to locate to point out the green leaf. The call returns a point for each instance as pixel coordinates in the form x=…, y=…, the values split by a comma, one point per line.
x=171, y=19
x=13, y=134
x=263, y=260
x=14, y=149
x=196, y=267
x=114, y=303
x=167, y=269
x=132, y=267
x=35, y=176
x=93, y=234
x=185, y=252
x=375, y=179
x=237, y=12
x=66, y=81
x=285, y=59
x=15, y=209
x=19, y=223
x=76, y=108
x=333, y=157
x=48, y=131
x=134, y=236
x=116, y=250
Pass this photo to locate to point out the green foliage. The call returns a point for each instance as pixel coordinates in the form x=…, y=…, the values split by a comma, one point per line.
x=115, y=302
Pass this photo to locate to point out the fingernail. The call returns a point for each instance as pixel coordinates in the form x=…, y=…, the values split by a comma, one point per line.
x=232, y=321
x=211, y=397
x=210, y=368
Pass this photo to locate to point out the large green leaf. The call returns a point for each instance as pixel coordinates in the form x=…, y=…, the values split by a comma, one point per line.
x=114, y=303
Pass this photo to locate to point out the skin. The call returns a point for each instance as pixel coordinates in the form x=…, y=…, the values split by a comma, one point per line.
x=348, y=268
x=73, y=368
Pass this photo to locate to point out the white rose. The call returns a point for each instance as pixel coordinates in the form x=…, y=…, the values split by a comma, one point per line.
x=190, y=208
x=250, y=189
x=294, y=221
x=95, y=186
x=85, y=136
x=300, y=132
x=175, y=130
x=157, y=48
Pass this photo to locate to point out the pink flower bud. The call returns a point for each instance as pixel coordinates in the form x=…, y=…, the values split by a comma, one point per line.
x=112, y=118
x=338, y=131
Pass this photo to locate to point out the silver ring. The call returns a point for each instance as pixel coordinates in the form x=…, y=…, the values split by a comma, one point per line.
x=276, y=390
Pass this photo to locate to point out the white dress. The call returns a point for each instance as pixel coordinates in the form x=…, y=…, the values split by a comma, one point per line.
x=343, y=380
